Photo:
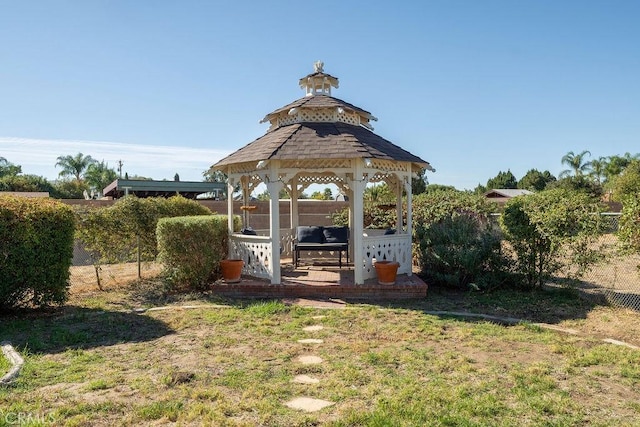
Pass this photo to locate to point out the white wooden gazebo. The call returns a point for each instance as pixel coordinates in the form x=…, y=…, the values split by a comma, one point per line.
x=319, y=139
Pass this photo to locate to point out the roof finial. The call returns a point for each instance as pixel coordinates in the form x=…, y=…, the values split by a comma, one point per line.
x=318, y=66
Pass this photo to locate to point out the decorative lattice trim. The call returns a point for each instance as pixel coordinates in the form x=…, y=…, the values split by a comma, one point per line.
x=314, y=164
x=321, y=115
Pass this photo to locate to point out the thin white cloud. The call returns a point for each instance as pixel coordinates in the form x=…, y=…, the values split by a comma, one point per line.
x=38, y=157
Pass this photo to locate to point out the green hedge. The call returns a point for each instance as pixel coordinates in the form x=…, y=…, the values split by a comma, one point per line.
x=36, y=249
x=191, y=249
x=112, y=234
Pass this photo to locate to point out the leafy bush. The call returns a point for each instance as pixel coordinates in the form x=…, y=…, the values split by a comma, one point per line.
x=430, y=208
x=191, y=249
x=629, y=229
x=26, y=183
x=455, y=241
x=628, y=183
x=552, y=232
x=36, y=247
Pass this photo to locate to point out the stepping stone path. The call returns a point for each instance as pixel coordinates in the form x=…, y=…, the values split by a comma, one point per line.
x=310, y=341
x=309, y=404
x=310, y=360
x=305, y=379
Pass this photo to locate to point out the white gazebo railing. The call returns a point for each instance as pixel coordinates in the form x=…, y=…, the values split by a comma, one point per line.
x=255, y=251
x=395, y=247
x=286, y=240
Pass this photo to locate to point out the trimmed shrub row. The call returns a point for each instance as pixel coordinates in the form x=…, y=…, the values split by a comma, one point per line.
x=191, y=249
x=116, y=234
x=36, y=248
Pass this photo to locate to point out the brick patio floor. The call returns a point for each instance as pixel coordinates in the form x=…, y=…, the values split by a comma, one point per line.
x=325, y=280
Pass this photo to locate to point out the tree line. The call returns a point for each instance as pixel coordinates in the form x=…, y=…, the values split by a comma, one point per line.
x=610, y=177
x=79, y=175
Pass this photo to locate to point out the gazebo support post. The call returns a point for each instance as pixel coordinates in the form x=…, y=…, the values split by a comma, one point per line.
x=352, y=235
x=358, y=186
x=274, y=224
x=407, y=187
x=246, y=196
x=229, y=212
x=293, y=205
x=399, y=219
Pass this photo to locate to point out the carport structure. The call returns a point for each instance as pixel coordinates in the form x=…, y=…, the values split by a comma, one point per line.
x=319, y=139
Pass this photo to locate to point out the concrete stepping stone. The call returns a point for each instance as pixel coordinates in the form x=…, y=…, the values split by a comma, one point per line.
x=313, y=328
x=310, y=360
x=310, y=341
x=308, y=404
x=305, y=379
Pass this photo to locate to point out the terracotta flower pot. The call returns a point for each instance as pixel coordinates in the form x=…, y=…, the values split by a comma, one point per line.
x=231, y=270
x=386, y=271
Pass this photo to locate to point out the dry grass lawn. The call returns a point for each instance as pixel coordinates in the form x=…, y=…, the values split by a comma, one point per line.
x=97, y=361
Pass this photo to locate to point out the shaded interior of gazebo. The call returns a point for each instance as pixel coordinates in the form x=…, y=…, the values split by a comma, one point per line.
x=319, y=139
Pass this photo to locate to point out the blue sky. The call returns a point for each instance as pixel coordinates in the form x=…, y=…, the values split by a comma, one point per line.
x=474, y=87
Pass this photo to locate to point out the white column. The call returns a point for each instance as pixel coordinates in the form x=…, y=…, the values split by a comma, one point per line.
x=293, y=204
x=407, y=186
x=274, y=224
x=358, y=185
x=229, y=211
x=399, y=221
x=352, y=235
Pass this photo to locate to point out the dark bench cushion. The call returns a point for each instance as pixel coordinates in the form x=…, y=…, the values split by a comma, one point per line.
x=309, y=234
x=317, y=238
x=336, y=234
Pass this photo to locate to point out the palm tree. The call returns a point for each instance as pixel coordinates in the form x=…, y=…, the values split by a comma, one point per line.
x=576, y=163
x=99, y=175
x=598, y=169
x=74, y=165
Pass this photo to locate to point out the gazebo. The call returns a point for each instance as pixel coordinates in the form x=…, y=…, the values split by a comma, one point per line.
x=319, y=139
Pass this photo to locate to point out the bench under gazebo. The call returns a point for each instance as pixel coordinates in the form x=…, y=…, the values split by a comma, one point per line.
x=319, y=139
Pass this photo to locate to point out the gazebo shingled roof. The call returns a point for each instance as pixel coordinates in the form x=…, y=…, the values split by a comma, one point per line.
x=312, y=140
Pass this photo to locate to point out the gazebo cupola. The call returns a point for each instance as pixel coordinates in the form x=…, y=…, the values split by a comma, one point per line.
x=318, y=105
x=320, y=139
x=318, y=83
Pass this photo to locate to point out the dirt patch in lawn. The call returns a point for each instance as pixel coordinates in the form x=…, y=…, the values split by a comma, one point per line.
x=112, y=276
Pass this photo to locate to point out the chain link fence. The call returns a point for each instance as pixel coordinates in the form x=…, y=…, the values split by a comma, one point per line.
x=87, y=274
x=617, y=277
